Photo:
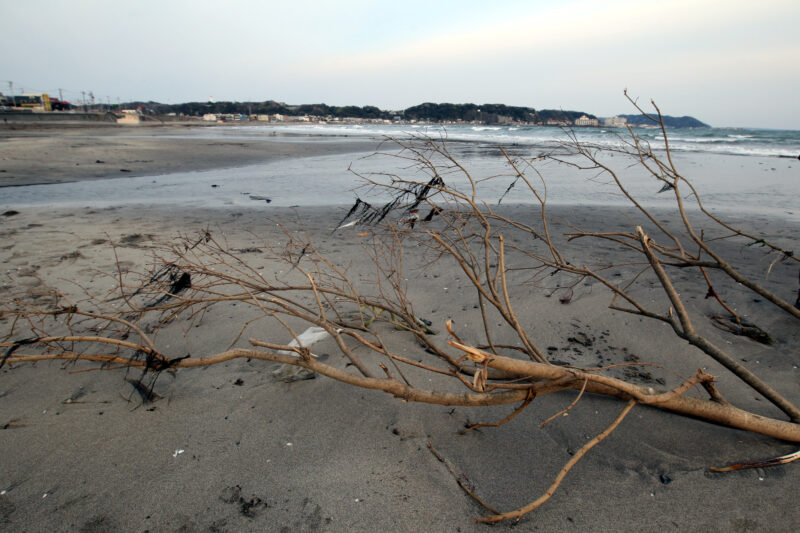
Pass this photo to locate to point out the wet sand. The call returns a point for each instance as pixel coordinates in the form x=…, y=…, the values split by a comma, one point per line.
x=40, y=154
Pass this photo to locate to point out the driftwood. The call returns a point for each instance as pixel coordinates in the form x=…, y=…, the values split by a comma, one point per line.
x=455, y=226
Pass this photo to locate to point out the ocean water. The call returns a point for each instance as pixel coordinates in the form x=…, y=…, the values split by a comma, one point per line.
x=730, y=141
x=734, y=170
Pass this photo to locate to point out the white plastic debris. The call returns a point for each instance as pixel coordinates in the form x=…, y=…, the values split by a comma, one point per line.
x=348, y=224
x=177, y=452
x=309, y=337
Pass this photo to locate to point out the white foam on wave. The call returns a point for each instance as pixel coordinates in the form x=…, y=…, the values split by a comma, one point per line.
x=755, y=143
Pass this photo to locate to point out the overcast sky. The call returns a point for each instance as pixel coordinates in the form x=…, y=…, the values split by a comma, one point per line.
x=728, y=63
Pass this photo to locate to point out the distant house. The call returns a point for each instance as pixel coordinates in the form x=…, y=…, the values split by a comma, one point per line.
x=211, y=117
x=583, y=120
x=556, y=122
x=615, y=122
x=130, y=116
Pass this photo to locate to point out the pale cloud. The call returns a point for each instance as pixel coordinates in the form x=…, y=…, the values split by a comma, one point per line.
x=709, y=58
x=582, y=27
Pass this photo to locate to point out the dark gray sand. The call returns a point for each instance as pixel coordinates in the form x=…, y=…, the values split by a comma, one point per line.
x=229, y=448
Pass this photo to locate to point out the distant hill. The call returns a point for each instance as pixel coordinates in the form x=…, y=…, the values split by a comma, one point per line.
x=487, y=113
x=670, y=122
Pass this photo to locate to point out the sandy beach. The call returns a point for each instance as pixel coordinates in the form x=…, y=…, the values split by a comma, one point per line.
x=32, y=153
x=230, y=448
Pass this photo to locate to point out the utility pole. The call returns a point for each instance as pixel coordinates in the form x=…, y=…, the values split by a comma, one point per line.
x=60, y=96
x=83, y=100
x=11, y=89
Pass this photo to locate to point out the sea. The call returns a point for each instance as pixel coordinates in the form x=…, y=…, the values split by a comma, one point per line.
x=733, y=170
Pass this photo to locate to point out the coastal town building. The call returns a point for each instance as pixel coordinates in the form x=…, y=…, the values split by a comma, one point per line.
x=130, y=117
x=615, y=122
x=583, y=120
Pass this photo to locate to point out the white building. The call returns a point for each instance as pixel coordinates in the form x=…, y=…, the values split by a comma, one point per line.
x=583, y=120
x=615, y=122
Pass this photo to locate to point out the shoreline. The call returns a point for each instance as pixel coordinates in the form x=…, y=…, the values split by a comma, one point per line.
x=44, y=153
x=87, y=152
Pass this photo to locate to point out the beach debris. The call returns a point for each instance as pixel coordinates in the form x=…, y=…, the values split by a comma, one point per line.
x=289, y=373
x=10, y=213
x=125, y=170
x=179, y=284
x=797, y=301
x=12, y=424
x=257, y=197
x=214, y=185
x=426, y=326
x=300, y=256
x=348, y=225
x=11, y=349
x=169, y=273
x=508, y=189
x=742, y=328
x=413, y=218
x=99, y=162
x=775, y=461
x=177, y=452
x=365, y=213
x=433, y=212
